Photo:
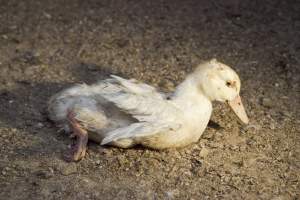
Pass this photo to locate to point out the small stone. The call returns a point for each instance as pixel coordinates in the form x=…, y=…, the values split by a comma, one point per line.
x=85, y=180
x=98, y=162
x=44, y=174
x=29, y=71
x=122, y=43
x=14, y=130
x=272, y=126
x=51, y=170
x=243, y=148
x=47, y=15
x=250, y=162
x=208, y=135
x=167, y=84
x=267, y=102
x=39, y=125
x=286, y=114
x=171, y=194
x=215, y=145
x=204, y=152
x=5, y=37
x=69, y=169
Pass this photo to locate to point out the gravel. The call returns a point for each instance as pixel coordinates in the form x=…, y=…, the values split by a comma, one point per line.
x=46, y=46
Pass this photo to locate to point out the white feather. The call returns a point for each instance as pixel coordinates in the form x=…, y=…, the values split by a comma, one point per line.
x=163, y=123
x=138, y=130
x=144, y=103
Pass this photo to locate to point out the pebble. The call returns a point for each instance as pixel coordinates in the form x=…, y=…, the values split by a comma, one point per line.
x=51, y=170
x=122, y=43
x=286, y=114
x=5, y=37
x=29, y=71
x=39, y=125
x=98, y=162
x=171, y=194
x=69, y=169
x=204, y=152
x=267, y=102
x=14, y=130
x=47, y=15
x=44, y=174
x=208, y=135
x=272, y=126
x=167, y=84
x=216, y=145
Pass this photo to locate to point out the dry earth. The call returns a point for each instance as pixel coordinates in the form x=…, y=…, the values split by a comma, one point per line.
x=49, y=45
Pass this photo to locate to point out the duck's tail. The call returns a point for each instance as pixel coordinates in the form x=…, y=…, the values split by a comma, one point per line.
x=60, y=103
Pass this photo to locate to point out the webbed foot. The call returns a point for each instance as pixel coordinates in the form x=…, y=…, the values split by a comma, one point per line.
x=78, y=149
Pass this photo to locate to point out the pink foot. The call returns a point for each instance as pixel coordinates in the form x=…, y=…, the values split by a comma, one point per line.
x=78, y=149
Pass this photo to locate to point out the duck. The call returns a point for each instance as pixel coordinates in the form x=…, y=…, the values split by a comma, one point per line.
x=126, y=112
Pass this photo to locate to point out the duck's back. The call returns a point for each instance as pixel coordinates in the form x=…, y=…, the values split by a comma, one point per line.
x=92, y=111
x=66, y=100
x=121, y=112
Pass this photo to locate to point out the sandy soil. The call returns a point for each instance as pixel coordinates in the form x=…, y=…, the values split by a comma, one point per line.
x=49, y=45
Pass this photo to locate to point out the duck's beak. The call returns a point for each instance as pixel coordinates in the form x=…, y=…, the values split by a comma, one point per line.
x=238, y=108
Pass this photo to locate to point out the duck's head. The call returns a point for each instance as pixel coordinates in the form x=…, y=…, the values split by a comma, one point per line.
x=219, y=82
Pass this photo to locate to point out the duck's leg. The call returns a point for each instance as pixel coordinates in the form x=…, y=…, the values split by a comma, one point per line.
x=78, y=149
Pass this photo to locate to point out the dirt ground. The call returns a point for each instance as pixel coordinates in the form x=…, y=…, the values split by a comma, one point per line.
x=49, y=45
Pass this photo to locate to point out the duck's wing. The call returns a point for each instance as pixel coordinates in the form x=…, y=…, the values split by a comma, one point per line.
x=139, y=130
x=136, y=87
x=140, y=100
x=154, y=113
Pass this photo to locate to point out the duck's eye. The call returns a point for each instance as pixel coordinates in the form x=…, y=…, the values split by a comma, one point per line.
x=230, y=84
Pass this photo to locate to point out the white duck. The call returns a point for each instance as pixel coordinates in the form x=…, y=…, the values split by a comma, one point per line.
x=125, y=113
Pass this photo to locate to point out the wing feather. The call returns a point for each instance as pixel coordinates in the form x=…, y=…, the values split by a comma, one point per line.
x=138, y=130
x=143, y=102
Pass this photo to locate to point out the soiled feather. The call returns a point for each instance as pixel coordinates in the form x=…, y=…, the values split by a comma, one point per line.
x=139, y=130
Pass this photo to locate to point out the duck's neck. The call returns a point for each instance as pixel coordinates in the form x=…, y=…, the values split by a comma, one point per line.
x=189, y=97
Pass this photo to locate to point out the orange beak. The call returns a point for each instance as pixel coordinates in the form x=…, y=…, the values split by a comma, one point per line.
x=238, y=108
